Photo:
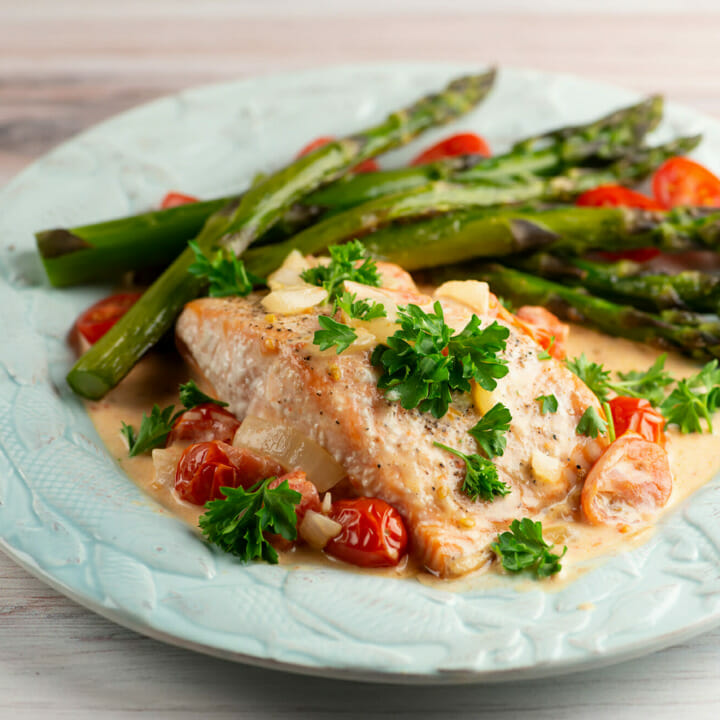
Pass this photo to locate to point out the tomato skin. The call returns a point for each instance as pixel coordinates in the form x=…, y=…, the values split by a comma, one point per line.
x=365, y=166
x=639, y=416
x=543, y=326
x=204, y=423
x=680, y=181
x=373, y=533
x=205, y=467
x=459, y=144
x=174, y=199
x=616, y=196
x=100, y=317
x=297, y=480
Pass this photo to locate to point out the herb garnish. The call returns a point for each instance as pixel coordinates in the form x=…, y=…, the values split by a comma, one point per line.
x=595, y=376
x=360, y=309
x=191, y=396
x=591, y=424
x=423, y=362
x=225, y=273
x=649, y=385
x=481, y=476
x=490, y=431
x=548, y=404
x=237, y=523
x=333, y=333
x=694, y=399
x=523, y=548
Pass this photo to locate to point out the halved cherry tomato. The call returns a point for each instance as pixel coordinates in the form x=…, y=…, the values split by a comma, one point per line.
x=545, y=328
x=639, y=416
x=616, y=196
x=101, y=316
x=373, y=533
x=173, y=199
x=628, y=484
x=681, y=181
x=207, y=466
x=619, y=196
x=204, y=423
x=459, y=144
x=365, y=166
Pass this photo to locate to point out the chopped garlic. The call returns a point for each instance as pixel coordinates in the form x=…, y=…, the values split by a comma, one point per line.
x=545, y=468
x=472, y=293
x=294, y=300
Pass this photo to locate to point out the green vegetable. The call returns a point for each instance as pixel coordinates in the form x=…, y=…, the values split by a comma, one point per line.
x=343, y=266
x=610, y=421
x=594, y=375
x=548, y=404
x=490, y=431
x=523, y=549
x=591, y=424
x=154, y=429
x=237, y=523
x=481, y=476
x=694, y=399
x=360, y=309
x=333, y=333
x=191, y=396
x=224, y=273
x=423, y=362
x=649, y=384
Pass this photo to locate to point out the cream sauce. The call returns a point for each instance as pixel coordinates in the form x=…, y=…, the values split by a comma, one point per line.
x=694, y=459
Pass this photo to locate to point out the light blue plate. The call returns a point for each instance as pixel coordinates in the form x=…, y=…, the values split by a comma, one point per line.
x=70, y=516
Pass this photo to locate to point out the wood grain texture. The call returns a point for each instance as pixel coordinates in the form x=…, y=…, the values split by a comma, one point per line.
x=65, y=66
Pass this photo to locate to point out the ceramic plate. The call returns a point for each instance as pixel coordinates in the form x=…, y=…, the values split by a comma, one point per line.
x=70, y=516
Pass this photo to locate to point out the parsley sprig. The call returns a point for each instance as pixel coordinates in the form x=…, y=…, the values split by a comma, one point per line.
x=490, y=431
x=226, y=274
x=238, y=522
x=649, y=384
x=522, y=548
x=360, y=309
x=422, y=363
x=594, y=375
x=481, y=476
x=591, y=424
x=548, y=404
x=694, y=399
x=155, y=428
x=345, y=264
x=333, y=333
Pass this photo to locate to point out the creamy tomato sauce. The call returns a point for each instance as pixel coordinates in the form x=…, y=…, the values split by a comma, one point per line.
x=694, y=458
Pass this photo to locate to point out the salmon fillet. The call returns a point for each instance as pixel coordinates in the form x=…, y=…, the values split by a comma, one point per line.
x=267, y=366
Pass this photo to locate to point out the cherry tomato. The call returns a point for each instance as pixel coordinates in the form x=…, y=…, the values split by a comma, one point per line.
x=681, y=181
x=101, y=316
x=628, y=484
x=173, y=199
x=460, y=144
x=365, y=166
x=616, y=196
x=639, y=416
x=545, y=328
x=207, y=466
x=204, y=423
x=298, y=481
x=373, y=533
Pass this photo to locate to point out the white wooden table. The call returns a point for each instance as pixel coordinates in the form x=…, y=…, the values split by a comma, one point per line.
x=66, y=65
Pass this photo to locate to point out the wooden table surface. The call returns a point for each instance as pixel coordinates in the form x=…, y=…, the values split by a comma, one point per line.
x=66, y=65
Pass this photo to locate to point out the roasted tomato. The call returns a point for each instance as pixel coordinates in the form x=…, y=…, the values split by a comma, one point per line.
x=298, y=481
x=628, y=484
x=616, y=196
x=680, y=181
x=639, y=416
x=365, y=166
x=545, y=328
x=173, y=199
x=207, y=466
x=101, y=316
x=460, y=144
x=204, y=423
x=373, y=533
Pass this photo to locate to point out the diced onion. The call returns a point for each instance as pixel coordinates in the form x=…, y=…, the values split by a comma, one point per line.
x=291, y=449
x=545, y=468
x=165, y=462
x=472, y=293
x=317, y=529
x=288, y=274
x=294, y=300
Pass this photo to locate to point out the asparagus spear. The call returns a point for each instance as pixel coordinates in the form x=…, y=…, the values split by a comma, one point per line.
x=440, y=197
x=237, y=225
x=695, y=335
x=631, y=282
x=94, y=252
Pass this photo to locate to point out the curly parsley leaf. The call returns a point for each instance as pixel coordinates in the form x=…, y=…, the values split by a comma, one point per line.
x=333, y=333
x=490, y=431
x=154, y=429
x=649, y=384
x=191, y=396
x=423, y=362
x=595, y=376
x=544, y=353
x=522, y=548
x=548, y=404
x=226, y=274
x=347, y=262
x=694, y=399
x=591, y=424
x=481, y=476
x=238, y=522
x=360, y=309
